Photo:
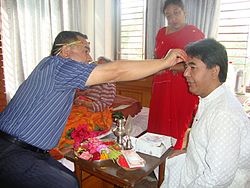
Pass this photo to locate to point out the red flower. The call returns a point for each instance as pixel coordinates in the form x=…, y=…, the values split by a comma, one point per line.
x=81, y=134
x=96, y=156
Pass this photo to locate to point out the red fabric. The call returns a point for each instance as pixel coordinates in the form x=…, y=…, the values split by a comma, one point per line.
x=172, y=106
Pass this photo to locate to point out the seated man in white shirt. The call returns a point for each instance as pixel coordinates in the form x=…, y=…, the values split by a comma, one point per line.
x=218, y=153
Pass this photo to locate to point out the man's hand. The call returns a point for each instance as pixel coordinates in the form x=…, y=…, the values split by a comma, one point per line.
x=178, y=68
x=175, y=56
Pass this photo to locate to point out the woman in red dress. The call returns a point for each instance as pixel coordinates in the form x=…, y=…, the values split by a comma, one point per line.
x=172, y=106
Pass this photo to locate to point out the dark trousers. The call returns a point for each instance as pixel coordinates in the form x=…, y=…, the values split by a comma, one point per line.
x=22, y=168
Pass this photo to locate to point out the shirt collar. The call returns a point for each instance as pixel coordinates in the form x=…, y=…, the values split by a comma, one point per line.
x=214, y=94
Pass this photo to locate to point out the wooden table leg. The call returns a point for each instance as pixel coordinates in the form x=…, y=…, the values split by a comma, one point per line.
x=161, y=173
x=78, y=173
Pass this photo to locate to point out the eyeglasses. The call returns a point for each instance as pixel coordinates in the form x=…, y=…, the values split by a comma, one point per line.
x=58, y=51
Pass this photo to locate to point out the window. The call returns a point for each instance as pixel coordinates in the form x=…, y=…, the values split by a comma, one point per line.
x=132, y=30
x=234, y=33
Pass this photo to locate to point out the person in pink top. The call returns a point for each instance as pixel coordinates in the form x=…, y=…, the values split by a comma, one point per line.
x=172, y=106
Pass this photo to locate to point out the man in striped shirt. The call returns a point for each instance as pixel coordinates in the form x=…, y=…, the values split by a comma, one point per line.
x=34, y=119
x=91, y=106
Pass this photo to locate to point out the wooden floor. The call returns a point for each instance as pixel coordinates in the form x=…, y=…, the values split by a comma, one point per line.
x=89, y=181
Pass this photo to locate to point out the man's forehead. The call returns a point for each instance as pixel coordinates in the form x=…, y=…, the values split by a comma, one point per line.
x=193, y=60
x=189, y=59
x=84, y=40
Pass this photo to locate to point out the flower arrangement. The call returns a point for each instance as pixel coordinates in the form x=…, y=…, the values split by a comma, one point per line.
x=81, y=133
x=96, y=149
x=88, y=147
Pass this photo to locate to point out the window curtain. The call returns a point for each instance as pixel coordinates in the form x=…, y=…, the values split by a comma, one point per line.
x=100, y=19
x=154, y=21
x=30, y=27
x=203, y=14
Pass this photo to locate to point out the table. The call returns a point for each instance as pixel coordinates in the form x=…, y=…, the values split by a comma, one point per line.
x=109, y=171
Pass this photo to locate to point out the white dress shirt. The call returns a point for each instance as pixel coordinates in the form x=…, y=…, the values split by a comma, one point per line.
x=218, y=152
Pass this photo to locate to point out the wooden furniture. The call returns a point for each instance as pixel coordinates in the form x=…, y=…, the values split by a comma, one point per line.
x=112, y=173
x=139, y=90
x=126, y=105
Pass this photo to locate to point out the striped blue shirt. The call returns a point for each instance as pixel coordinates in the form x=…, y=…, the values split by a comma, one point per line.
x=39, y=110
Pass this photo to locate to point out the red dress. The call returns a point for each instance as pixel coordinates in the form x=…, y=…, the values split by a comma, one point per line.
x=172, y=106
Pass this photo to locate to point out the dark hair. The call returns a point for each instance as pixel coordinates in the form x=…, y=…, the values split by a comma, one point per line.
x=103, y=58
x=212, y=53
x=178, y=3
x=65, y=37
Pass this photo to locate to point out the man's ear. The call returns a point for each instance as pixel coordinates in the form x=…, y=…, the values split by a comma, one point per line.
x=215, y=71
x=65, y=52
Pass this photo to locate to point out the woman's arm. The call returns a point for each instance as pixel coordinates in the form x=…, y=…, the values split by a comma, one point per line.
x=106, y=97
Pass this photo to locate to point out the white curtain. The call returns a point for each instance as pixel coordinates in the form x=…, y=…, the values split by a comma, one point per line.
x=100, y=26
x=30, y=26
x=155, y=20
x=204, y=14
